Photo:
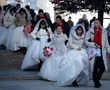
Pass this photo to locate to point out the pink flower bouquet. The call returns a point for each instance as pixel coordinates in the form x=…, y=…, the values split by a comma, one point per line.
x=47, y=51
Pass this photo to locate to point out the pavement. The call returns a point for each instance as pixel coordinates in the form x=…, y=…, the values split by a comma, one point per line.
x=18, y=75
x=45, y=85
x=10, y=60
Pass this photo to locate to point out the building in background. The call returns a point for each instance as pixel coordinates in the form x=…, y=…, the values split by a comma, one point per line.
x=3, y=2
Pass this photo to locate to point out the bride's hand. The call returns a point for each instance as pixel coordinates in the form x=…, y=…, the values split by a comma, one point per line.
x=79, y=49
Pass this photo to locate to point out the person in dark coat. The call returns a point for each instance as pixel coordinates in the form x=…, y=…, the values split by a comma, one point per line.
x=70, y=22
x=84, y=21
x=63, y=24
x=42, y=15
x=92, y=20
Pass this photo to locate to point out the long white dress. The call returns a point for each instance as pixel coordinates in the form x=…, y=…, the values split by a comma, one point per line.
x=3, y=35
x=64, y=69
x=18, y=39
x=35, y=50
x=10, y=38
x=5, y=30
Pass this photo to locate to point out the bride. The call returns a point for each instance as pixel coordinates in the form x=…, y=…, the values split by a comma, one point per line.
x=17, y=37
x=65, y=69
x=34, y=55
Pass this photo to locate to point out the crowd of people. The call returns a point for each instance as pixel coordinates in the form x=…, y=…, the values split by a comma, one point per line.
x=61, y=50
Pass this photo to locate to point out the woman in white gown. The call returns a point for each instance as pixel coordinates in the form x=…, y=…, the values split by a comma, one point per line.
x=35, y=50
x=17, y=36
x=59, y=42
x=11, y=25
x=66, y=68
x=8, y=22
x=1, y=26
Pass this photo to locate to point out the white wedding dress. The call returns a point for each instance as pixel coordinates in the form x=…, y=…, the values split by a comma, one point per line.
x=64, y=69
x=35, y=51
x=72, y=65
x=17, y=39
x=3, y=35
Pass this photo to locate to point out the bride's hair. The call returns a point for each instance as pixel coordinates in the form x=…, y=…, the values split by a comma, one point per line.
x=81, y=29
x=43, y=22
x=23, y=10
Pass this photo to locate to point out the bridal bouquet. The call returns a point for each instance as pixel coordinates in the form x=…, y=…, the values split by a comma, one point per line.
x=47, y=51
